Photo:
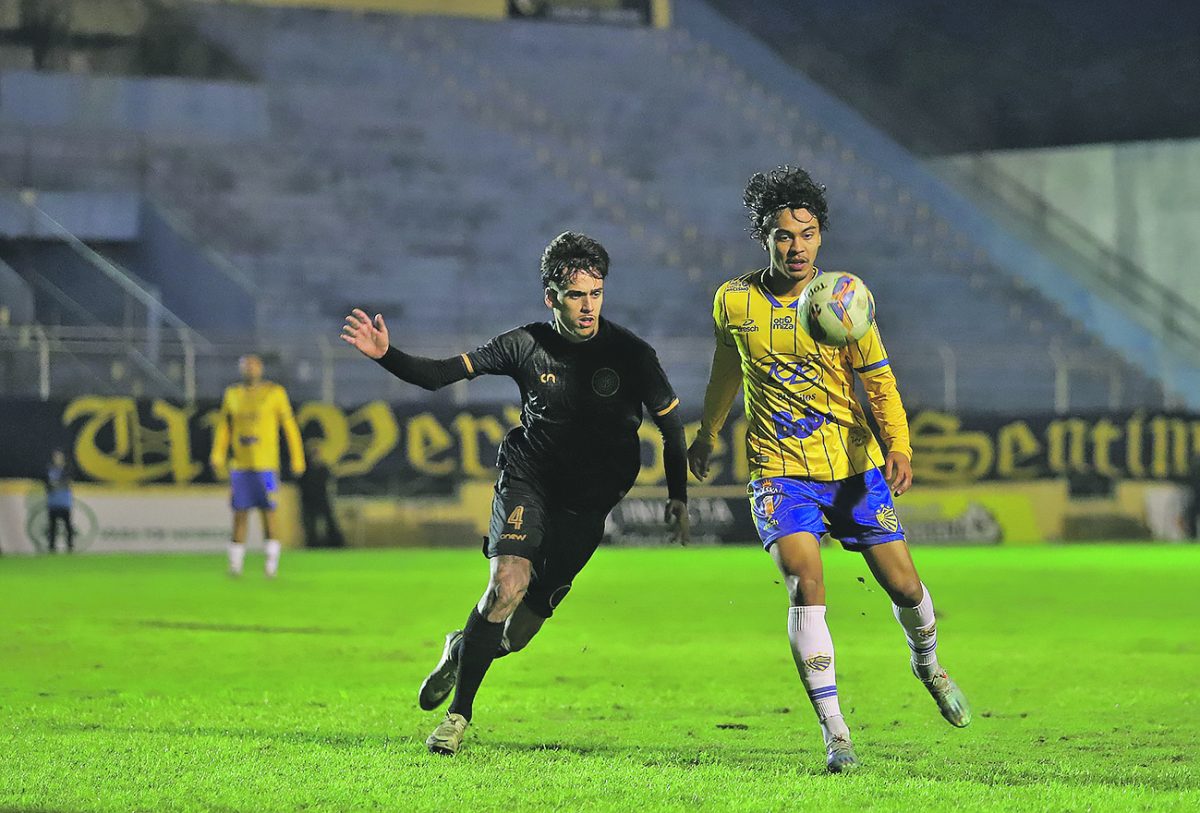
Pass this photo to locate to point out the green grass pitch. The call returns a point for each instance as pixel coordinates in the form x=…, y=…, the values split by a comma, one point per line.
x=664, y=683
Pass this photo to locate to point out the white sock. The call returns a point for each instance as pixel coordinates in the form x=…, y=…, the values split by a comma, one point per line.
x=920, y=628
x=812, y=648
x=273, y=547
x=237, y=555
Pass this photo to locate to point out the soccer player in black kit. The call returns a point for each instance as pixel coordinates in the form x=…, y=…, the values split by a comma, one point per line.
x=583, y=383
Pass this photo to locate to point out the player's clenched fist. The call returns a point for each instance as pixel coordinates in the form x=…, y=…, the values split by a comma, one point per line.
x=370, y=337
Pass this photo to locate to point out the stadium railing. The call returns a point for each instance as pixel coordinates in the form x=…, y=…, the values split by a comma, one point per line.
x=64, y=362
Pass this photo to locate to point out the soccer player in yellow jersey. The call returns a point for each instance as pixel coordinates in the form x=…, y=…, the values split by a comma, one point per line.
x=252, y=413
x=815, y=464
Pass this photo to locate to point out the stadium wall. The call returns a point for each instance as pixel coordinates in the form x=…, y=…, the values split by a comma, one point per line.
x=1178, y=371
x=1141, y=201
x=195, y=518
x=145, y=519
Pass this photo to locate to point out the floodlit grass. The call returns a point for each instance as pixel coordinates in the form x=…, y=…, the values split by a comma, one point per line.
x=665, y=682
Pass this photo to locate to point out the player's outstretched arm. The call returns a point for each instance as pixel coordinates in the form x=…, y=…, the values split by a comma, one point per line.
x=370, y=337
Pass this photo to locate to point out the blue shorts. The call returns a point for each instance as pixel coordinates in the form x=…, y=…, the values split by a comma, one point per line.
x=857, y=511
x=253, y=489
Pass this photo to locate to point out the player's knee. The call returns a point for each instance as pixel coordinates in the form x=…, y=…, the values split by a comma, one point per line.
x=805, y=589
x=907, y=592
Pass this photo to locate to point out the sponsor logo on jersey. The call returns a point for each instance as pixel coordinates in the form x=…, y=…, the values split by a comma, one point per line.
x=606, y=382
x=783, y=323
x=886, y=517
x=517, y=537
x=747, y=326
x=818, y=663
x=800, y=427
x=738, y=285
x=804, y=371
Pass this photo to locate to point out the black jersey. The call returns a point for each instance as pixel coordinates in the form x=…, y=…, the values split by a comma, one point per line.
x=581, y=407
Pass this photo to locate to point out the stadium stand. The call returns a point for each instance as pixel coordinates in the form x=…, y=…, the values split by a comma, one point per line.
x=417, y=166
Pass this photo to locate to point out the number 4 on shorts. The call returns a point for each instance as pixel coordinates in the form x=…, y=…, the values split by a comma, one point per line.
x=517, y=517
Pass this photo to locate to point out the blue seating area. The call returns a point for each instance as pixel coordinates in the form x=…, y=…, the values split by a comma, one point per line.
x=418, y=165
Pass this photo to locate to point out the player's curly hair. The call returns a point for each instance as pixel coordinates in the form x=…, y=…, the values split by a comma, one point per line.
x=784, y=187
x=571, y=253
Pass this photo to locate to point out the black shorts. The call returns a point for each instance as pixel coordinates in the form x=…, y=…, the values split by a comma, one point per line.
x=558, y=541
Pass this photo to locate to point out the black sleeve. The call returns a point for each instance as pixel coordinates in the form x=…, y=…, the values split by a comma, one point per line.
x=429, y=374
x=657, y=393
x=660, y=399
x=500, y=356
x=674, y=453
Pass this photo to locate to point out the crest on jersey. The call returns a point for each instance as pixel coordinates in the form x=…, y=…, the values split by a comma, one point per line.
x=886, y=517
x=606, y=382
x=818, y=663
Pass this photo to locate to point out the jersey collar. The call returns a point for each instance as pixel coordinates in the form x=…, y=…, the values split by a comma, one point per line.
x=770, y=296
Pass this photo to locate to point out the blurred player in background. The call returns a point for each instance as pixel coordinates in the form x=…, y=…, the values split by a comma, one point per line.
x=59, y=500
x=584, y=382
x=815, y=464
x=321, y=528
x=252, y=414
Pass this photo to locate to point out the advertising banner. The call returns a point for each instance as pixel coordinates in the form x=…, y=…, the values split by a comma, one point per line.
x=406, y=449
x=612, y=12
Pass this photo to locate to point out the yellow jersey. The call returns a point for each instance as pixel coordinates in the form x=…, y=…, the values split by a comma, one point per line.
x=803, y=417
x=251, y=417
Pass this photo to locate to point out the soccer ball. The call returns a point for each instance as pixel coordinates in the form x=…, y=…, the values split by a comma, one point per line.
x=836, y=308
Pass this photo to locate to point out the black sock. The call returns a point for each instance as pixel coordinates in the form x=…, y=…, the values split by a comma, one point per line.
x=456, y=649
x=481, y=639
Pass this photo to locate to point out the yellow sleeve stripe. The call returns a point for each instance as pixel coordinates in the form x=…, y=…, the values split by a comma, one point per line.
x=669, y=407
x=467, y=364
